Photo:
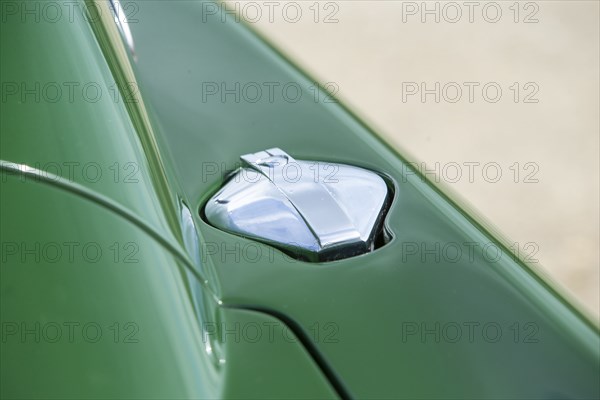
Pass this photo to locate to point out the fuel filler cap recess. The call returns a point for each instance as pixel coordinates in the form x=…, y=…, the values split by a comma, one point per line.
x=313, y=211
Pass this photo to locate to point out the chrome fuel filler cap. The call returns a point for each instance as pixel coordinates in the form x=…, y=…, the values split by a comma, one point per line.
x=314, y=211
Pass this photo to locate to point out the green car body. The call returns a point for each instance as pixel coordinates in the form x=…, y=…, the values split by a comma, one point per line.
x=113, y=285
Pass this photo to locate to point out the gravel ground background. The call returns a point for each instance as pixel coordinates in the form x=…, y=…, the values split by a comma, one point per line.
x=380, y=56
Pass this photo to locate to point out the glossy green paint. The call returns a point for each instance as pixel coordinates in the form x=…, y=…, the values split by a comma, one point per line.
x=353, y=317
x=157, y=350
x=100, y=295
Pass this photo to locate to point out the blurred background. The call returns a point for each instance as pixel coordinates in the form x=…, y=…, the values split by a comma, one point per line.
x=500, y=100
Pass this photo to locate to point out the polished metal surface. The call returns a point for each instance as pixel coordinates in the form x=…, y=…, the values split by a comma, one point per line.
x=313, y=210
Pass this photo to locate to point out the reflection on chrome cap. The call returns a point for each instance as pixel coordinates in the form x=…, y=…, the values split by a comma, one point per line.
x=314, y=210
